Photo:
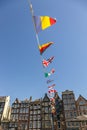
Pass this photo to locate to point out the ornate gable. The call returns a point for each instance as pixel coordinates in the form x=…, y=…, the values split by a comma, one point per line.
x=81, y=100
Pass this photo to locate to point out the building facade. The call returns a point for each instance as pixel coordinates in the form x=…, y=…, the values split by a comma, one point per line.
x=31, y=115
x=70, y=114
x=69, y=105
x=4, y=108
x=59, y=112
x=75, y=111
x=5, y=111
x=81, y=104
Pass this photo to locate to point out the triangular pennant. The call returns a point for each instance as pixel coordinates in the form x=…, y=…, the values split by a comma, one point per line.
x=44, y=46
x=43, y=22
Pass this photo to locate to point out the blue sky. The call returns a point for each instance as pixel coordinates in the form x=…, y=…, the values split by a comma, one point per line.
x=21, y=71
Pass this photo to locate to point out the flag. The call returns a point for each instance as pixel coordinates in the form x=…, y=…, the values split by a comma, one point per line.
x=47, y=62
x=50, y=87
x=52, y=71
x=49, y=81
x=52, y=91
x=48, y=74
x=52, y=99
x=50, y=59
x=43, y=22
x=43, y=47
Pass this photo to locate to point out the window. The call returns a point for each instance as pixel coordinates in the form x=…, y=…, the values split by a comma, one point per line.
x=39, y=111
x=26, y=126
x=46, y=103
x=31, y=112
x=86, y=122
x=39, y=124
x=26, y=110
x=26, y=117
x=72, y=123
x=34, y=124
x=1, y=109
x=22, y=110
x=30, y=117
x=83, y=123
x=75, y=114
x=66, y=115
x=34, y=117
x=38, y=117
x=71, y=114
x=46, y=117
x=81, y=102
x=34, y=112
x=34, y=107
x=47, y=124
x=30, y=125
x=58, y=124
x=46, y=109
x=38, y=106
x=77, y=123
x=31, y=107
x=69, y=123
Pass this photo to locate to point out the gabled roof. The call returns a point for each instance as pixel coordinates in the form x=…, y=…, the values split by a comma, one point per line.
x=46, y=98
x=81, y=98
x=16, y=100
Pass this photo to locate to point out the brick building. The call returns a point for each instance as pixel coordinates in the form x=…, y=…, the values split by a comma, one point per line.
x=31, y=115
x=69, y=105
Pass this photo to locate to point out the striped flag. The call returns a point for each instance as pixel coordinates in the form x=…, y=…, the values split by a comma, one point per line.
x=43, y=22
x=51, y=72
x=47, y=62
x=52, y=86
x=52, y=91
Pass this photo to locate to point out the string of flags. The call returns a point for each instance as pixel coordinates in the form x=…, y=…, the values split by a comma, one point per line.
x=40, y=24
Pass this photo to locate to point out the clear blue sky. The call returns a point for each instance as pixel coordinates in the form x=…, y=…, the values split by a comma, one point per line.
x=21, y=71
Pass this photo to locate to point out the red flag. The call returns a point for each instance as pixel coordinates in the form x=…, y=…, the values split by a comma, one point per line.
x=43, y=47
x=45, y=63
x=50, y=87
x=52, y=91
x=52, y=71
x=48, y=74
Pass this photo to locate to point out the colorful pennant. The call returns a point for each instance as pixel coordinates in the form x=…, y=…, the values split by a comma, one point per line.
x=48, y=74
x=47, y=62
x=43, y=22
x=44, y=46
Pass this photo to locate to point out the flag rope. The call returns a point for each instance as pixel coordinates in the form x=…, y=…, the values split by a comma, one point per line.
x=32, y=12
x=37, y=38
x=38, y=42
